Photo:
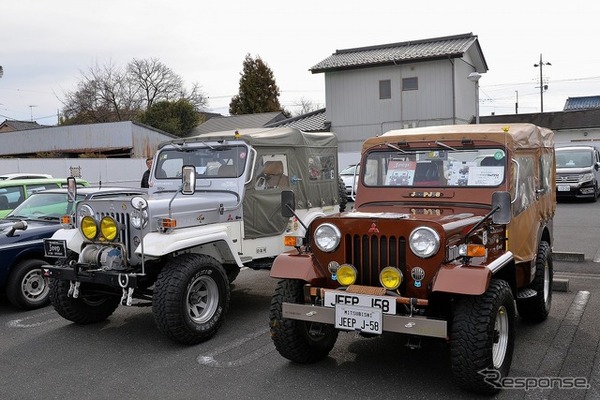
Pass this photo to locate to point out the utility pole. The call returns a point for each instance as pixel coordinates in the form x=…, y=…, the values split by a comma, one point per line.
x=542, y=86
x=517, y=102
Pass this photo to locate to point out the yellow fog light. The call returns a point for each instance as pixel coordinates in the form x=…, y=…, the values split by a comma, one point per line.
x=390, y=278
x=346, y=274
x=88, y=228
x=108, y=228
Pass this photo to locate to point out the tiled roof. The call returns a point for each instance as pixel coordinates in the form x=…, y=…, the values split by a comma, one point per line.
x=311, y=122
x=582, y=103
x=553, y=120
x=396, y=53
x=13, y=125
x=217, y=124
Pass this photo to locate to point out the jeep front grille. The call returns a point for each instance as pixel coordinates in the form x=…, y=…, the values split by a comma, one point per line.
x=124, y=235
x=371, y=253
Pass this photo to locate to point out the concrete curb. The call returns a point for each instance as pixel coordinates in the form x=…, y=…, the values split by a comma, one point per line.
x=560, y=285
x=568, y=256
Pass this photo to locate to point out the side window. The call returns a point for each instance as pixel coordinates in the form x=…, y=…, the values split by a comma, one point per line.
x=410, y=83
x=385, y=89
x=10, y=197
x=321, y=168
x=36, y=188
x=525, y=184
x=272, y=172
x=545, y=172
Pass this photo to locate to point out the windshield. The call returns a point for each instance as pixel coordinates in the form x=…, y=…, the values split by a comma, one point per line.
x=576, y=158
x=447, y=168
x=222, y=161
x=44, y=206
x=349, y=170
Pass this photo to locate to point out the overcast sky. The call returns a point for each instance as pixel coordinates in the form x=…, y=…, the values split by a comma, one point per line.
x=46, y=45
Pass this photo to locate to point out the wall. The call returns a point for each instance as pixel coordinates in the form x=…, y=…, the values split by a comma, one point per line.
x=98, y=171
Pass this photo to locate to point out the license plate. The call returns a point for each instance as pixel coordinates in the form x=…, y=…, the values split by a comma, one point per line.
x=355, y=318
x=55, y=248
x=564, y=188
x=385, y=303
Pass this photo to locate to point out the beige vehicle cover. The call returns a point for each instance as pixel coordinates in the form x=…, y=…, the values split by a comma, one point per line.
x=531, y=176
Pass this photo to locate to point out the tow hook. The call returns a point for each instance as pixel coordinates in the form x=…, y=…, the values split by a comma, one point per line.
x=73, y=289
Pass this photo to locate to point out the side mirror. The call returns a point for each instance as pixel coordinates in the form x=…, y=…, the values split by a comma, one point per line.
x=188, y=179
x=288, y=203
x=71, y=189
x=501, y=200
x=17, y=226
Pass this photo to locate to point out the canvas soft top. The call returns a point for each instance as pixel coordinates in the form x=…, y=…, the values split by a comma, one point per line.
x=268, y=137
x=515, y=136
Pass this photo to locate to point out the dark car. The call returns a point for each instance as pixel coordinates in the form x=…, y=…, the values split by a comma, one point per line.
x=21, y=241
x=577, y=172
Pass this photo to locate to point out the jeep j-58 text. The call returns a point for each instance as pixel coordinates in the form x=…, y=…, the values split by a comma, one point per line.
x=452, y=226
x=212, y=208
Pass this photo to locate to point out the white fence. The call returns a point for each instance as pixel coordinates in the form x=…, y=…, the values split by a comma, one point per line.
x=97, y=171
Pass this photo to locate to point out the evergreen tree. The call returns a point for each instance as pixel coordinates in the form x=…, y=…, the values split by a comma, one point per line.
x=176, y=117
x=258, y=91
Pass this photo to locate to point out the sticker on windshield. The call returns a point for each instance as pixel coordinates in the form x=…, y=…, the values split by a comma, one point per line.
x=499, y=155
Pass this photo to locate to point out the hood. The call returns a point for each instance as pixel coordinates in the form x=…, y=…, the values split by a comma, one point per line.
x=36, y=230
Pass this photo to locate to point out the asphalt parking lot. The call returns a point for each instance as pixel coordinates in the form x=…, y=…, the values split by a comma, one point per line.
x=45, y=356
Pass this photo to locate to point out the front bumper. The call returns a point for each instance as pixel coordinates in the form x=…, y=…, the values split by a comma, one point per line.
x=576, y=191
x=94, y=276
x=411, y=325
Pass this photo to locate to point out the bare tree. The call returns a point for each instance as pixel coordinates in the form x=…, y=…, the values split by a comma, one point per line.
x=304, y=106
x=108, y=93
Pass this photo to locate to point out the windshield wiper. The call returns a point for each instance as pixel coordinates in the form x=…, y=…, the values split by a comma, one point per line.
x=444, y=145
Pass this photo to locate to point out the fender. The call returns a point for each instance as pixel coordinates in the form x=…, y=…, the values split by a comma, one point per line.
x=308, y=219
x=73, y=238
x=468, y=280
x=291, y=265
x=160, y=244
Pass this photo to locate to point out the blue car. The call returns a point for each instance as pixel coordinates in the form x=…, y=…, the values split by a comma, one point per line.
x=21, y=241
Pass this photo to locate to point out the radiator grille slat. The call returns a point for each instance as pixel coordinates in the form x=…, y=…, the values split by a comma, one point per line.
x=371, y=253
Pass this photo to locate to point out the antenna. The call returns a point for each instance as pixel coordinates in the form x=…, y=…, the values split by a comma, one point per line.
x=31, y=110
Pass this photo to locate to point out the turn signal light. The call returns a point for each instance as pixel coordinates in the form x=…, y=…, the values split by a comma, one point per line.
x=472, y=250
x=292, y=241
x=168, y=223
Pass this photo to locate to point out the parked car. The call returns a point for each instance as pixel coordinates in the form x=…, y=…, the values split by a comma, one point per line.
x=14, y=191
x=23, y=175
x=21, y=241
x=350, y=177
x=577, y=172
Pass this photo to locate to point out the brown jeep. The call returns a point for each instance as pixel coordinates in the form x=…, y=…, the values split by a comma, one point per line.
x=451, y=226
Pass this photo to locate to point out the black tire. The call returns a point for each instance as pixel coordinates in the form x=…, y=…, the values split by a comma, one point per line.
x=537, y=308
x=27, y=287
x=342, y=194
x=482, y=338
x=191, y=298
x=298, y=341
x=89, y=308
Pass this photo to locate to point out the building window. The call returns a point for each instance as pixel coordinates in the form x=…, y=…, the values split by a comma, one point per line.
x=385, y=89
x=410, y=83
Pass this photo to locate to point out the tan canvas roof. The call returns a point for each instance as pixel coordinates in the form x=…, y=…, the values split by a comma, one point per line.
x=515, y=136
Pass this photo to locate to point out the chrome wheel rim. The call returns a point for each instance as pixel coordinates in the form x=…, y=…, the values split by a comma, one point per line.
x=501, y=332
x=202, y=299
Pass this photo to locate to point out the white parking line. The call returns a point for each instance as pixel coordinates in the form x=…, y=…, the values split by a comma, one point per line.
x=19, y=323
x=209, y=359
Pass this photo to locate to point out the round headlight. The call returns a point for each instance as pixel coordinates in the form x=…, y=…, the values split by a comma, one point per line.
x=88, y=227
x=84, y=210
x=424, y=242
x=327, y=237
x=109, y=228
x=390, y=278
x=139, y=219
x=346, y=274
